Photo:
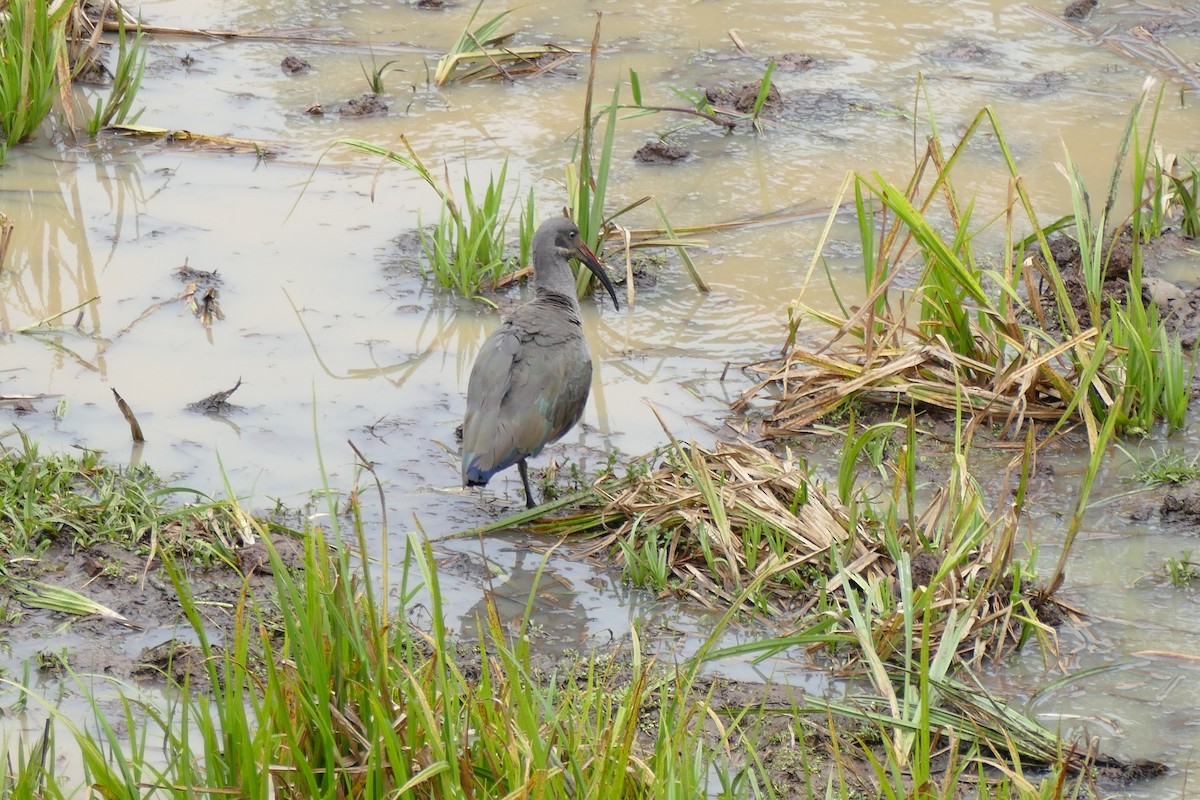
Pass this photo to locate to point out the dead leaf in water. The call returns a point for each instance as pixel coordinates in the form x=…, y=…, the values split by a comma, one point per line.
x=200, y=141
x=134, y=429
x=210, y=308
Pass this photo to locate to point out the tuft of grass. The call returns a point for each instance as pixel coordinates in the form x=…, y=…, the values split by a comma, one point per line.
x=339, y=695
x=587, y=186
x=32, y=44
x=30, y=776
x=1182, y=195
x=375, y=75
x=465, y=250
x=1171, y=466
x=82, y=501
x=764, y=90
x=980, y=333
x=117, y=107
x=1182, y=571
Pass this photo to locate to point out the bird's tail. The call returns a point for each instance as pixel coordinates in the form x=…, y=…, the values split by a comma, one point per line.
x=473, y=475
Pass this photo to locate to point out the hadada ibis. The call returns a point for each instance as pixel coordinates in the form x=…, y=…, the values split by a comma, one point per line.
x=532, y=376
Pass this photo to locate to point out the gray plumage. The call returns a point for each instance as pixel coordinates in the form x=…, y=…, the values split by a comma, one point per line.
x=531, y=379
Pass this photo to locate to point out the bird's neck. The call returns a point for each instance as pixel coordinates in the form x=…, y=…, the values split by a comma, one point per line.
x=561, y=279
x=566, y=302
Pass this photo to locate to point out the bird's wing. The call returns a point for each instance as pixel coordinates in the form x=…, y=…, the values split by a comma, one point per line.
x=548, y=392
x=490, y=381
x=522, y=395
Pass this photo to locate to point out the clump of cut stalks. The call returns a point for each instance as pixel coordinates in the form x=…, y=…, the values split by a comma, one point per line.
x=910, y=600
x=480, y=54
x=740, y=526
x=983, y=337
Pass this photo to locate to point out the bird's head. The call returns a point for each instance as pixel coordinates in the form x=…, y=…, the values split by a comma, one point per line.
x=562, y=236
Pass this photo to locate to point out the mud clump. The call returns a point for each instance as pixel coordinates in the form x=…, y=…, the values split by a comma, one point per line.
x=1078, y=10
x=294, y=65
x=743, y=100
x=1179, y=310
x=180, y=663
x=217, y=402
x=92, y=73
x=659, y=152
x=795, y=62
x=961, y=52
x=365, y=106
x=1066, y=255
x=1041, y=85
x=1181, y=509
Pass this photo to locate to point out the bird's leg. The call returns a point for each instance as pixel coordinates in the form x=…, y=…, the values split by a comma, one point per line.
x=524, y=470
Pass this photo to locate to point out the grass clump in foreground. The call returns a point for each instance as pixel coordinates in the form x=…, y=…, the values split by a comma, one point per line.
x=320, y=689
x=53, y=506
x=907, y=588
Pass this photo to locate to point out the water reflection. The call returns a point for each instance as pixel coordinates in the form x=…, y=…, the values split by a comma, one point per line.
x=51, y=284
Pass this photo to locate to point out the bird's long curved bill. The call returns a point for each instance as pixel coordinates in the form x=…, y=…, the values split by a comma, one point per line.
x=587, y=257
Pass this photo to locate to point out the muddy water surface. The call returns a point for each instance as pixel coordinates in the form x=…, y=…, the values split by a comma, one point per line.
x=336, y=338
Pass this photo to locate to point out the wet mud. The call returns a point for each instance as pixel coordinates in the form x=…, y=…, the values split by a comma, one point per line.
x=136, y=587
x=1179, y=307
x=660, y=152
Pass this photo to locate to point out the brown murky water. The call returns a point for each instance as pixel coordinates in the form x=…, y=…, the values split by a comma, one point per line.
x=335, y=341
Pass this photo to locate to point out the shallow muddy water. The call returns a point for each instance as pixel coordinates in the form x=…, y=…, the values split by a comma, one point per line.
x=335, y=338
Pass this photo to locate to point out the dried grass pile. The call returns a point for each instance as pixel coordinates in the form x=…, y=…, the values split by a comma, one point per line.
x=738, y=527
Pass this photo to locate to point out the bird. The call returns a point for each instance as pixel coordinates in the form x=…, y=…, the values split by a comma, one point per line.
x=531, y=379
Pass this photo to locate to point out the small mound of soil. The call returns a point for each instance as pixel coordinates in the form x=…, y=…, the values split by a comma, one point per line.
x=204, y=276
x=363, y=106
x=1042, y=84
x=294, y=65
x=93, y=73
x=1181, y=509
x=181, y=663
x=1078, y=10
x=743, y=99
x=1179, y=310
x=1065, y=251
x=961, y=52
x=659, y=152
x=217, y=402
x=795, y=62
